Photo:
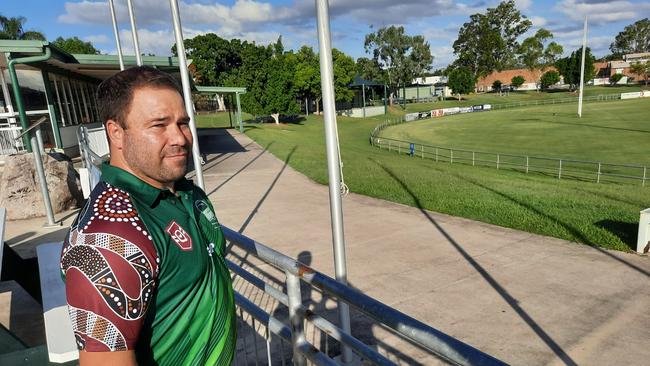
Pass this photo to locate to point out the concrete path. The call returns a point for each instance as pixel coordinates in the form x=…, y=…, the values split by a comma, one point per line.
x=523, y=298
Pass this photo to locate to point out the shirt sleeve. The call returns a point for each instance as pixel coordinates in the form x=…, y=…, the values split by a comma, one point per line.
x=110, y=267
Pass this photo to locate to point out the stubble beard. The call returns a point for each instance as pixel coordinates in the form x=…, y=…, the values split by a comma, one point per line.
x=156, y=166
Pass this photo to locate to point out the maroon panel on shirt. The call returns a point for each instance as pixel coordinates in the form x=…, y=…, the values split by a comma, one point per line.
x=110, y=268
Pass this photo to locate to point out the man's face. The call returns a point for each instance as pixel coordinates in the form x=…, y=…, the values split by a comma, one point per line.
x=157, y=139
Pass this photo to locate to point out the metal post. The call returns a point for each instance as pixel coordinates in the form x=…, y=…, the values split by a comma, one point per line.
x=363, y=93
x=598, y=176
x=116, y=32
x=559, y=171
x=436, y=154
x=333, y=163
x=51, y=109
x=527, y=165
x=295, y=320
x=385, y=100
x=582, y=68
x=451, y=155
x=239, y=117
x=187, y=93
x=39, y=140
x=38, y=161
x=643, y=181
x=134, y=33
x=473, y=158
x=498, y=160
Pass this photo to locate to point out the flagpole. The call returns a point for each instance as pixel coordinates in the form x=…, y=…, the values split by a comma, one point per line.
x=582, y=68
x=333, y=163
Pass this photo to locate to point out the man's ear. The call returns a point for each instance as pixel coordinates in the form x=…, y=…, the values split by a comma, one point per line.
x=115, y=133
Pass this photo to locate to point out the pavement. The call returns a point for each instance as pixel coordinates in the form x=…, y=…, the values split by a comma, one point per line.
x=523, y=298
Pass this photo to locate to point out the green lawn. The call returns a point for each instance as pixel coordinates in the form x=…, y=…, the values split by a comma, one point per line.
x=221, y=119
x=523, y=96
x=614, y=132
x=603, y=215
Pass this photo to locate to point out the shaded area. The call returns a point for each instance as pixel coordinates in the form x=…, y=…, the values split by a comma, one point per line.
x=217, y=140
x=514, y=303
x=571, y=229
x=240, y=170
x=626, y=231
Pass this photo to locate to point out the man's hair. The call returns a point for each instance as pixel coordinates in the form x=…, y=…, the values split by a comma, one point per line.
x=114, y=94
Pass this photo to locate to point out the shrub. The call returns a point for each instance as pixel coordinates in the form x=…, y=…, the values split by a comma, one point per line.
x=517, y=81
x=614, y=79
x=549, y=78
x=496, y=85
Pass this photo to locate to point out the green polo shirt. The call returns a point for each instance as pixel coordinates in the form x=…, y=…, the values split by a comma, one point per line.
x=191, y=320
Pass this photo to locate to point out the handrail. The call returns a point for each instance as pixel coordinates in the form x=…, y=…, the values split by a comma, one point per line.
x=432, y=339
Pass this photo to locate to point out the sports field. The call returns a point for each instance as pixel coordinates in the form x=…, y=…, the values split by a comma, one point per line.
x=614, y=132
x=603, y=215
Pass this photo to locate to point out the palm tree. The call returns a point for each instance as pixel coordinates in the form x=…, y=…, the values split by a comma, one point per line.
x=12, y=28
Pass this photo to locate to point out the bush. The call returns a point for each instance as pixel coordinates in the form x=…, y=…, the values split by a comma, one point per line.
x=517, y=81
x=496, y=85
x=614, y=79
x=549, y=78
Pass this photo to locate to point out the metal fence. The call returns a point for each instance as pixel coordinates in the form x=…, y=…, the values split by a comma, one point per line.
x=592, y=98
x=583, y=170
x=287, y=314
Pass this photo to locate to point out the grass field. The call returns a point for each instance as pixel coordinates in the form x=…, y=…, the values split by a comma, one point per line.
x=219, y=120
x=513, y=97
x=603, y=215
x=614, y=132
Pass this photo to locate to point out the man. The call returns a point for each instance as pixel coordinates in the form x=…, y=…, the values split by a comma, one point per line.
x=146, y=280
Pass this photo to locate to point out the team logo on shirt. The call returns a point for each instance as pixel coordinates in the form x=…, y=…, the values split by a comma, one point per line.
x=179, y=236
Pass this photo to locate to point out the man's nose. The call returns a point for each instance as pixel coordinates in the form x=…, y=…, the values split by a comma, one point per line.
x=179, y=135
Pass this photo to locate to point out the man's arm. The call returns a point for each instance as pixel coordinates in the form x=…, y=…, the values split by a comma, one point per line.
x=119, y=358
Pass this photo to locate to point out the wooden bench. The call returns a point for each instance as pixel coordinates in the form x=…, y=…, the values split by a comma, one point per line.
x=61, y=344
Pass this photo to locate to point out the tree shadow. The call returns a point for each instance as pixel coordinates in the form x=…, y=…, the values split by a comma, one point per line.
x=513, y=302
x=626, y=231
x=240, y=169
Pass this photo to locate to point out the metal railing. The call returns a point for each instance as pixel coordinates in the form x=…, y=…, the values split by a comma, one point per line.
x=269, y=297
x=286, y=313
x=592, y=98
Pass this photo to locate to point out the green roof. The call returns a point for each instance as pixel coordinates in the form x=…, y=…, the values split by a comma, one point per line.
x=220, y=89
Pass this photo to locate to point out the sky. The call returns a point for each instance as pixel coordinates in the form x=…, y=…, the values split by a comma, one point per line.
x=263, y=21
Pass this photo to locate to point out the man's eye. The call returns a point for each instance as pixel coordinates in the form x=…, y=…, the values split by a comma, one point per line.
x=158, y=125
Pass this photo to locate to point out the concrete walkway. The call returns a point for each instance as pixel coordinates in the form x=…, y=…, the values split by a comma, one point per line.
x=523, y=298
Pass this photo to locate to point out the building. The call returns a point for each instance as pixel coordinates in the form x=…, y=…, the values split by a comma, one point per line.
x=606, y=69
x=505, y=77
x=60, y=86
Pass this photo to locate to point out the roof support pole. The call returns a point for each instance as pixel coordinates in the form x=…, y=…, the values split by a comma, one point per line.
x=50, y=106
x=239, y=117
x=363, y=96
x=11, y=65
x=333, y=163
x=116, y=32
x=134, y=33
x=187, y=92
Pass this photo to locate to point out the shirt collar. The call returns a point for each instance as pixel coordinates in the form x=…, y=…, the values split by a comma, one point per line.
x=137, y=187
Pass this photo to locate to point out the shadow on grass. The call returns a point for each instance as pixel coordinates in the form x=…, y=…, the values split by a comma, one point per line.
x=513, y=302
x=570, y=228
x=626, y=231
x=592, y=126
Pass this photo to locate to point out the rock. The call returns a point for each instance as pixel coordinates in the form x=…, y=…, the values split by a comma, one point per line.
x=20, y=191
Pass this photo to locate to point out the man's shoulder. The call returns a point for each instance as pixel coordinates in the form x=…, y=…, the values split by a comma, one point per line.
x=110, y=210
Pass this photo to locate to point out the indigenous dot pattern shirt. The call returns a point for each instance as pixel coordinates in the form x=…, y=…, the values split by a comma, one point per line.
x=145, y=271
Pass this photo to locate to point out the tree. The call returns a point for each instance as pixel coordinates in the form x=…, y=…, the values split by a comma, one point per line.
x=532, y=53
x=12, y=28
x=279, y=96
x=344, y=70
x=569, y=67
x=488, y=42
x=75, y=45
x=461, y=81
x=549, y=78
x=307, y=78
x=634, y=38
x=517, y=81
x=614, y=79
x=496, y=85
x=642, y=69
x=400, y=56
